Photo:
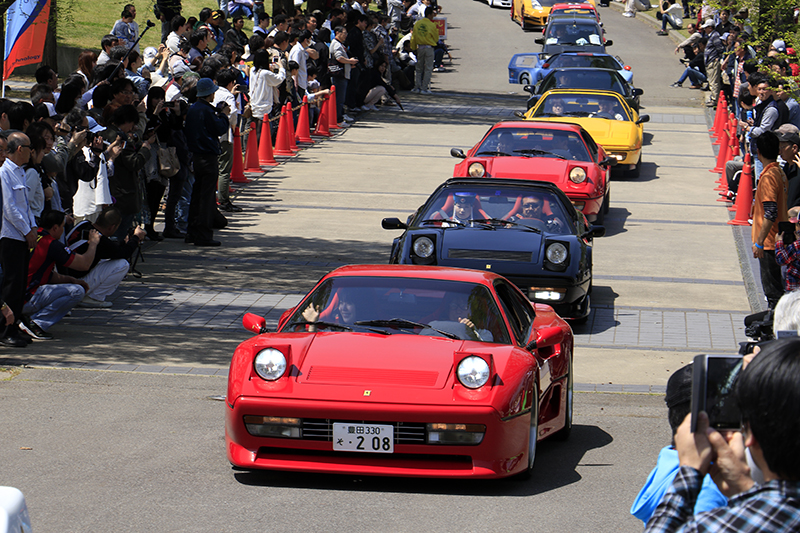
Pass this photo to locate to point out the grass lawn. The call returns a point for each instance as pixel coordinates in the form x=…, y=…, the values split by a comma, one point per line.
x=88, y=20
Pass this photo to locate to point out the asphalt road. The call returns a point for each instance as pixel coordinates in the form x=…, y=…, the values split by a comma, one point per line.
x=139, y=452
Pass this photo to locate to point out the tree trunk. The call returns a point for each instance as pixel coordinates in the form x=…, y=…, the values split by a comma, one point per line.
x=286, y=5
x=50, y=52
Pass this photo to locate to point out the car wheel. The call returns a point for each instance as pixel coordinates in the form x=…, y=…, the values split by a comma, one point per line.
x=525, y=79
x=601, y=215
x=563, y=433
x=607, y=202
x=533, y=435
x=633, y=174
x=584, y=310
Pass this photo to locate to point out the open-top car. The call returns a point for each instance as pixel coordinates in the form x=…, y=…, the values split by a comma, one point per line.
x=532, y=14
x=562, y=154
x=578, y=34
x=526, y=231
x=401, y=370
x=612, y=123
x=531, y=68
x=602, y=79
x=582, y=9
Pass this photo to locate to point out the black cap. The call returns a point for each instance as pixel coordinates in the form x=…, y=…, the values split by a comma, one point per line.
x=679, y=387
x=790, y=137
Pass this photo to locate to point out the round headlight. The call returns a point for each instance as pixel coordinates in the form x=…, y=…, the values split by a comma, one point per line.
x=473, y=372
x=476, y=170
x=556, y=253
x=577, y=175
x=270, y=364
x=423, y=247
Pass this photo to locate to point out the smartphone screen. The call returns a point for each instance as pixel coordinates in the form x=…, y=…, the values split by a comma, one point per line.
x=713, y=387
x=787, y=228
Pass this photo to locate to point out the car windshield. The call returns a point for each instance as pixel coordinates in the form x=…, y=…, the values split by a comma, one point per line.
x=534, y=142
x=395, y=305
x=581, y=105
x=583, y=61
x=526, y=60
x=574, y=33
x=579, y=11
x=601, y=80
x=546, y=3
x=501, y=209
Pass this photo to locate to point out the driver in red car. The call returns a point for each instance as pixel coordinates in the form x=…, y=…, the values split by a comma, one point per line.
x=533, y=209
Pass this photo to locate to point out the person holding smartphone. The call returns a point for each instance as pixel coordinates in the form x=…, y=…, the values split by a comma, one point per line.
x=787, y=252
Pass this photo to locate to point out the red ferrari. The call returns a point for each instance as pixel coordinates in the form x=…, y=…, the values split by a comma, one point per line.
x=402, y=370
x=561, y=153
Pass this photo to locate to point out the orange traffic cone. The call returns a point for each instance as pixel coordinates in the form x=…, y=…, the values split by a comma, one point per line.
x=333, y=117
x=290, y=127
x=282, y=139
x=744, y=196
x=717, y=116
x=237, y=170
x=251, y=156
x=303, y=133
x=722, y=110
x=265, y=157
x=322, y=120
x=732, y=125
x=724, y=152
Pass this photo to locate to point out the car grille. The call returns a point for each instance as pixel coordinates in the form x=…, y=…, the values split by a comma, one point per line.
x=404, y=432
x=493, y=255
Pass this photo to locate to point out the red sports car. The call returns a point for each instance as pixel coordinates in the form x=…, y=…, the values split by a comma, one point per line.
x=561, y=153
x=402, y=370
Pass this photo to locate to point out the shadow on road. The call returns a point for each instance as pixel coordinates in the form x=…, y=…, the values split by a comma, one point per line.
x=556, y=466
x=615, y=220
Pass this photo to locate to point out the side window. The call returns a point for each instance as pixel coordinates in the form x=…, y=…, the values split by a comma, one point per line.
x=591, y=144
x=508, y=308
x=524, y=312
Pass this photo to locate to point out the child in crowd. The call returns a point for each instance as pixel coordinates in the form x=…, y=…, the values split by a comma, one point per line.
x=789, y=254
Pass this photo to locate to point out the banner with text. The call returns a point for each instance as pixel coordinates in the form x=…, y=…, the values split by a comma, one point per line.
x=26, y=28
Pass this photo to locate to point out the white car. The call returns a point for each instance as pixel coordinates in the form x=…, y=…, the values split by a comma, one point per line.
x=13, y=511
x=499, y=3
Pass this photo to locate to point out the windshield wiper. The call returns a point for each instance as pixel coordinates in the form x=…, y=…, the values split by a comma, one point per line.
x=334, y=325
x=501, y=221
x=440, y=220
x=535, y=151
x=493, y=152
x=403, y=323
x=320, y=324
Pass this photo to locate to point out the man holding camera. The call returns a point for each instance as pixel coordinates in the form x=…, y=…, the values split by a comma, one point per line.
x=204, y=125
x=769, y=401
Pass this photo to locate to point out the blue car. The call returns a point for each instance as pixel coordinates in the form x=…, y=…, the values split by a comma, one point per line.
x=530, y=69
x=527, y=231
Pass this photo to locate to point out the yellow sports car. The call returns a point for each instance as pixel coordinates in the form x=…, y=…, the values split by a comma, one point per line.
x=611, y=122
x=532, y=14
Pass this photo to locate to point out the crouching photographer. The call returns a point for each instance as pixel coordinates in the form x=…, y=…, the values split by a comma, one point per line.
x=768, y=398
x=111, y=260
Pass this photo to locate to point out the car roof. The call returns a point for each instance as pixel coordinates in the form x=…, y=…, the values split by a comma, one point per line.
x=570, y=18
x=568, y=5
x=536, y=124
x=416, y=271
x=567, y=90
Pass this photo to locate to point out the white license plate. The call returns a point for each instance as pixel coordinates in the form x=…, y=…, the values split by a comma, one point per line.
x=372, y=438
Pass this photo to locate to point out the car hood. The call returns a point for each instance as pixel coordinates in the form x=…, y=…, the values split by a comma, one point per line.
x=607, y=132
x=550, y=169
x=480, y=248
x=367, y=359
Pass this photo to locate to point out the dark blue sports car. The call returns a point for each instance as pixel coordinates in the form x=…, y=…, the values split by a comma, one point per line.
x=526, y=231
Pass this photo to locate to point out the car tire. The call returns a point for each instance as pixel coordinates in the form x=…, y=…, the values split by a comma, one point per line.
x=584, y=310
x=525, y=79
x=637, y=170
x=607, y=203
x=563, y=433
x=532, y=438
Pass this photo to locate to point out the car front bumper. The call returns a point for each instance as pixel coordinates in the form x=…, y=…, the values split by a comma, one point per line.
x=571, y=305
x=502, y=452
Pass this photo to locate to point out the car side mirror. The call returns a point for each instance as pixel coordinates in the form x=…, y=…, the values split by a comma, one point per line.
x=608, y=162
x=519, y=114
x=549, y=336
x=256, y=324
x=642, y=119
x=638, y=92
x=458, y=152
x=609, y=43
x=539, y=40
x=528, y=88
x=392, y=223
x=594, y=231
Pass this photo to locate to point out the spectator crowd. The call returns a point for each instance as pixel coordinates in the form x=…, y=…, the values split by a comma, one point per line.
x=88, y=163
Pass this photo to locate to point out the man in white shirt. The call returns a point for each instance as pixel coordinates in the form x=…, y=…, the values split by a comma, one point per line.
x=300, y=53
x=18, y=234
x=227, y=92
x=179, y=28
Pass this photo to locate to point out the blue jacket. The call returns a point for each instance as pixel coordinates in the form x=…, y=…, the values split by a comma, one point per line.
x=660, y=479
x=203, y=127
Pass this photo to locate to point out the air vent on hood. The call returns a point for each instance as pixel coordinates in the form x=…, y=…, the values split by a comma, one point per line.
x=492, y=255
x=372, y=376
